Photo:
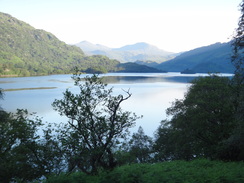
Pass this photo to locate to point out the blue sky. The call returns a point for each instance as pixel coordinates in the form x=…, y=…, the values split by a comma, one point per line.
x=172, y=25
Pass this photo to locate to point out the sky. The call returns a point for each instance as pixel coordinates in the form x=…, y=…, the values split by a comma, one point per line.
x=171, y=25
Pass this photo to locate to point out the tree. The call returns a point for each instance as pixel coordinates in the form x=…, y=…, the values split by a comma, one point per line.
x=1, y=96
x=137, y=149
x=238, y=48
x=1, y=93
x=49, y=152
x=24, y=154
x=171, y=144
x=201, y=122
x=236, y=142
x=18, y=142
x=96, y=124
x=140, y=146
x=238, y=59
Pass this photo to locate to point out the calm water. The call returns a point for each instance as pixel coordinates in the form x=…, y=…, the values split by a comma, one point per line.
x=152, y=94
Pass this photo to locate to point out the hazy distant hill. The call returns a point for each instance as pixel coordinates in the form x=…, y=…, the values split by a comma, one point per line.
x=148, y=63
x=212, y=58
x=25, y=51
x=135, y=68
x=129, y=53
x=89, y=47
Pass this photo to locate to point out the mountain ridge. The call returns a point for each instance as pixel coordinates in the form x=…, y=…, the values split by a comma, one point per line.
x=212, y=58
x=128, y=53
x=26, y=51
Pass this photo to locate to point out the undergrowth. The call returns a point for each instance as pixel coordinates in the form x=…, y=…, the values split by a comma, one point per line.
x=197, y=171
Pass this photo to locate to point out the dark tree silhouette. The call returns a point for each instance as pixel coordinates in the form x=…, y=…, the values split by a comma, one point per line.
x=96, y=124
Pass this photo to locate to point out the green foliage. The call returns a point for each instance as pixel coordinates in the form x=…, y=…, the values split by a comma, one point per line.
x=24, y=155
x=50, y=153
x=96, y=124
x=200, y=123
x=170, y=145
x=77, y=177
x=140, y=146
x=1, y=93
x=201, y=171
x=137, y=150
x=209, y=122
x=238, y=48
x=236, y=141
x=18, y=147
x=133, y=67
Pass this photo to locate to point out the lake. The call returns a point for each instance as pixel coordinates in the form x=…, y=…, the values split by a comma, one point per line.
x=152, y=94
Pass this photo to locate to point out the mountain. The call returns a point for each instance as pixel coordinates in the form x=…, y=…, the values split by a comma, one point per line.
x=129, y=53
x=89, y=47
x=26, y=51
x=137, y=68
x=213, y=58
x=147, y=63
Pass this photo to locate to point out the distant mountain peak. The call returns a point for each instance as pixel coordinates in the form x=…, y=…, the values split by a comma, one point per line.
x=87, y=47
x=141, y=44
x=128, y=53
x=137, y=46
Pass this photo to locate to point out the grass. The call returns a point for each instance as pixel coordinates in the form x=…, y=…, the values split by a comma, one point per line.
x=197, y=171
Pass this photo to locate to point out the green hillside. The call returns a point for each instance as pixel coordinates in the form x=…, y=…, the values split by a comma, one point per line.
x=134, y=67
x=212, y=58
x=26, y=51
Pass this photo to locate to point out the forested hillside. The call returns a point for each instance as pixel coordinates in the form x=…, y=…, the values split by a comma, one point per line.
x=212, y=58
x=26, y=51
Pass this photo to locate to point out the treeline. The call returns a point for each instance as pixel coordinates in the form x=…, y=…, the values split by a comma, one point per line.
x=14, y=66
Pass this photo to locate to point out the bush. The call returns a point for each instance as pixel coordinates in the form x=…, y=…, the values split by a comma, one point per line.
x=200, y=171
x=77, y=177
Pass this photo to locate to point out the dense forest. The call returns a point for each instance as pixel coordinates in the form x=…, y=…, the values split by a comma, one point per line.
x=201, y=141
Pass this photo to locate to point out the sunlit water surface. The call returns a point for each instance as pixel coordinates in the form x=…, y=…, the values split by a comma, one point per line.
x=152, y=94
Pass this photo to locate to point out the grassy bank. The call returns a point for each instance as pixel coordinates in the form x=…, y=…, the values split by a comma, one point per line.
x=197, y=171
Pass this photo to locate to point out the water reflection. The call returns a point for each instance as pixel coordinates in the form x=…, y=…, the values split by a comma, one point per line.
x=152, y=94
x=146, y=79
x=171, y=77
